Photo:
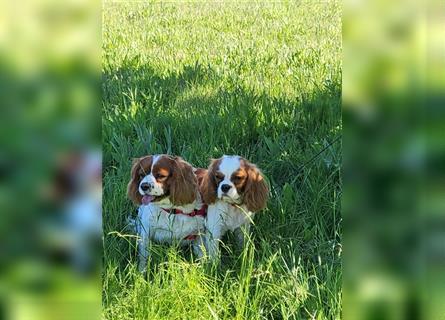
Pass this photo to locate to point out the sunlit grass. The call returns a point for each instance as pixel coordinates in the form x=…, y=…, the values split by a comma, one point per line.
x=199, y=80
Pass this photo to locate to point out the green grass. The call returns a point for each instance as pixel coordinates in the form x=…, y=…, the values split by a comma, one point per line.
x=262, y=80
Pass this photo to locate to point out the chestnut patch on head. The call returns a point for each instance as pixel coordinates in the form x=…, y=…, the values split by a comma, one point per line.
x=210, y=181
x=162, y=171
x=219, y=176
x=182, y=182
x=144, y=165
x=239, y=178
x=255, y=192
x=141, y=167
x=161, y=175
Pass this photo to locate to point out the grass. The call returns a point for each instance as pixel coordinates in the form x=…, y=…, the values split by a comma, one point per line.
x=200, y=79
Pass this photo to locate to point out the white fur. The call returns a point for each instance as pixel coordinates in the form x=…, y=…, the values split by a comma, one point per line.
x=156, y=188
x=223, y=217
x=160, y=226
x=155, y=224
x=225, y=214
x=229, y=165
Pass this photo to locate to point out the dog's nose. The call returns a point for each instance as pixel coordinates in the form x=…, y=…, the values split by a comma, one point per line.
x=225, y=188
x=145, y=186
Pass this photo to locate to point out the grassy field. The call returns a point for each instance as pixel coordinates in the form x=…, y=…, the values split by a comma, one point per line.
x=262, y=80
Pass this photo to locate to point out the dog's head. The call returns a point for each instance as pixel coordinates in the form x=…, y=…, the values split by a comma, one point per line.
x=235, y=180
x=156, y=177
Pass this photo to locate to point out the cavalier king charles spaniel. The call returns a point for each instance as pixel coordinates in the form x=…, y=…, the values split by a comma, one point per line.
x=170, y=206
x=234, y=190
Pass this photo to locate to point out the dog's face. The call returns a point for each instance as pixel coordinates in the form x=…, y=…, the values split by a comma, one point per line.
x=235, y=180
x=154, y=178
x=230, y=176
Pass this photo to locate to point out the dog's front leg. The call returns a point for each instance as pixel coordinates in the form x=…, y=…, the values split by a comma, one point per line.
x=240, y=235
x=143, y=253
x=143, y=232
x=213, y=237
x=198, y=246
x=214, y=231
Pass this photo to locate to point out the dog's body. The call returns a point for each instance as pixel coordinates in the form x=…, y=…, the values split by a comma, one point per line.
x=163, y=227
x=234, y=190
x=223, y=217
x=170, y=206
x=155, y=224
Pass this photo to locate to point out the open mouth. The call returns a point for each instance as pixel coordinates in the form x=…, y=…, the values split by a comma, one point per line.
x=147, y=199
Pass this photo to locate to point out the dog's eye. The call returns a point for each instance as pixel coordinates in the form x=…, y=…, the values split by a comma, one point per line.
x=238, y=178
x=219, y=176
x=160, y=176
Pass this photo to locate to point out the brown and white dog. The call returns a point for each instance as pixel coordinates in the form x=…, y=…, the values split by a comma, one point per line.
x=170, y=205
x=234, y=190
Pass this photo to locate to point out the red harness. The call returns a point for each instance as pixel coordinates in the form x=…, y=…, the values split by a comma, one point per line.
x=201, y=212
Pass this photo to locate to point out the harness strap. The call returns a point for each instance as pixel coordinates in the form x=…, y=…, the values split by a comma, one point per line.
x=191, y=237
x=201, y=212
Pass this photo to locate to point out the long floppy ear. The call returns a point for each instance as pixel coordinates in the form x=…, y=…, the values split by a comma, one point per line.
x=256, y=192
x=183, y=185
x=208, y=185
x=133, y=186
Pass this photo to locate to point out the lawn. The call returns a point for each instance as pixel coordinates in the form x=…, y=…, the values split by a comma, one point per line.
x=201, y=79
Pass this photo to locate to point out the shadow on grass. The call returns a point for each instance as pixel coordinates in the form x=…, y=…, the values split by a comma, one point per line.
x=201, y=107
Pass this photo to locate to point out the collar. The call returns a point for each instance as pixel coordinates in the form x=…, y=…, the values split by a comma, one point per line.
x=201, y=212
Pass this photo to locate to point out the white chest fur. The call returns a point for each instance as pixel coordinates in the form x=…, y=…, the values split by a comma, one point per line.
x=222, y=217
x=161, y=226
x=155, y=224
x=188, y=208
x=225, y=217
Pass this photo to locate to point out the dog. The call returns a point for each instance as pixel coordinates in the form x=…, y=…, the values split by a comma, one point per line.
x=234, y=190
x=170, y=206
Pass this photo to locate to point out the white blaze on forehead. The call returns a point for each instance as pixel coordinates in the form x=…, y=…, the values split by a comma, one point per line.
x=155, y=159
x=228, y=165
x=156, y=188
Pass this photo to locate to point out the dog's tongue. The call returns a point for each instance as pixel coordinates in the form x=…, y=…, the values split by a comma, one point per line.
x=147, y=199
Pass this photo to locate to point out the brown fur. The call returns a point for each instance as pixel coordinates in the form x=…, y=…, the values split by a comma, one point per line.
x=252, y=186
x=208, y=184
x=139, y=165
x=183, y=184
x=240, y=184
x=255, y=190
x=200, y=173
x=180, y=183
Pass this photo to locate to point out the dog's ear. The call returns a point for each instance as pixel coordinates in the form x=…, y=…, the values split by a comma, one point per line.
x=208, y=185
x=133, y=186
x=256, y=192
x=183, y=183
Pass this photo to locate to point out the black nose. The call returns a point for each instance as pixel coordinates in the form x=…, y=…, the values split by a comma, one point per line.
x=225, y=188
x=145, y=186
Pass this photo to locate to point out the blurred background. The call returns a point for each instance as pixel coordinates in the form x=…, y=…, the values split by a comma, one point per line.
x=50, y=160
x=394, y=191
